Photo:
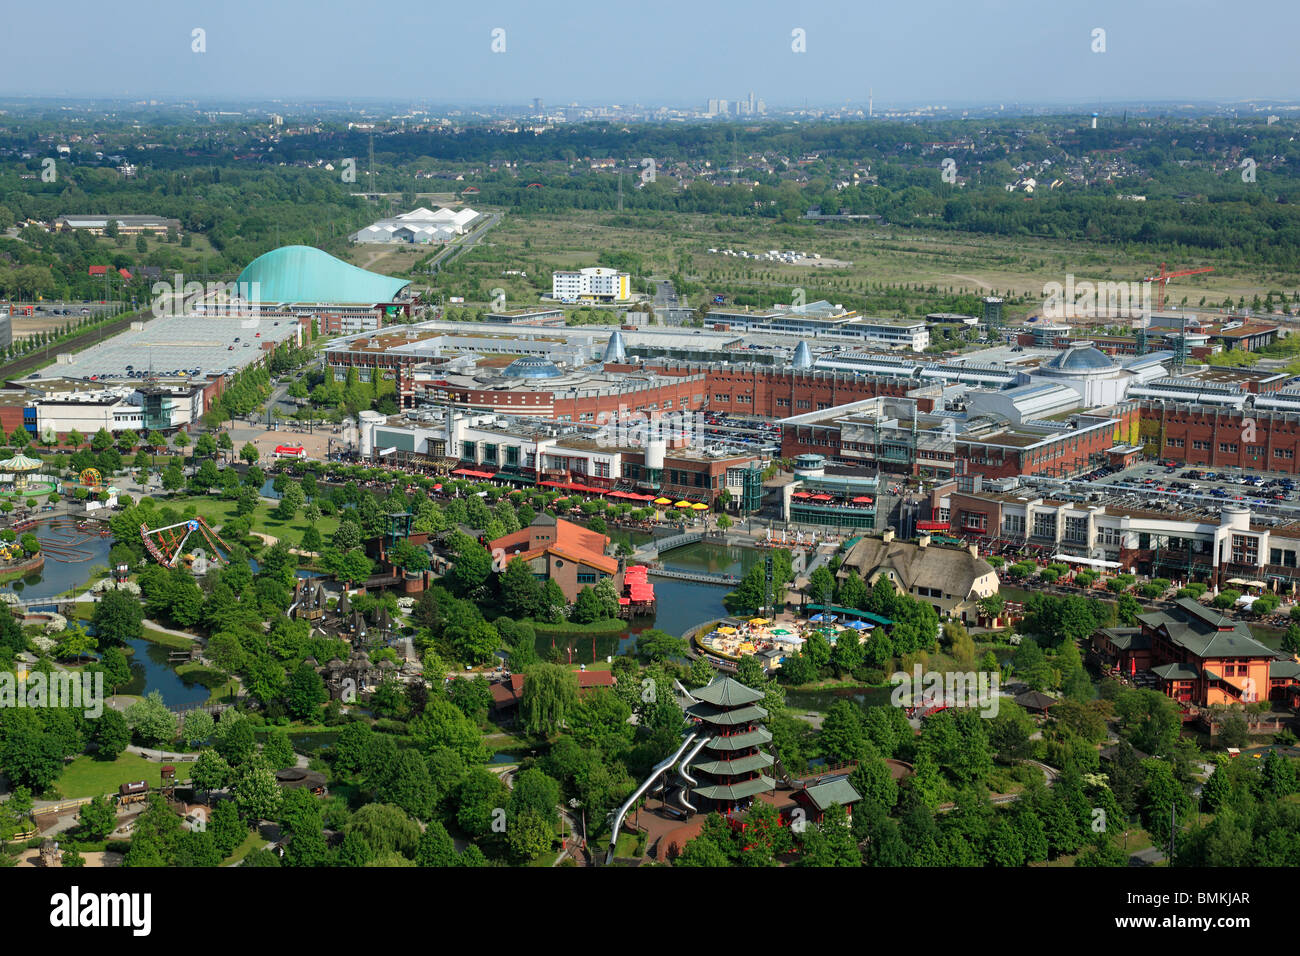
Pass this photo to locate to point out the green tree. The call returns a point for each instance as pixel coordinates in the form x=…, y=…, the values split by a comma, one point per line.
x=97, y=818
x=435, y=847
x=831, y=842
x=257, y=794
x=550, y=694
x=197, y=727
x=521, y=593
x=110, y=735
x=151, y=721
x=210, y=772
x=306, y=691
x=117, y=618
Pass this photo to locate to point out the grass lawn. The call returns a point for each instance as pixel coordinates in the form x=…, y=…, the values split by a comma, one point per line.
x=86, y=777
x=155, y=636
x=626, y=848
x=251, y=842
x=217, y=512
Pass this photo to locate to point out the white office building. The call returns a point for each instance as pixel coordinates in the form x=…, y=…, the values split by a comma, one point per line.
x=591, y=285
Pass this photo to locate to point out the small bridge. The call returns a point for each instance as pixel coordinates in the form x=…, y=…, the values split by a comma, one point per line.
x=652, y=549
x=703, y=577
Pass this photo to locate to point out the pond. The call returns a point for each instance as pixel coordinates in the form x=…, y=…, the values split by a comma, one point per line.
x=312, y=742
x=819, y=700
x=682, y=605
x=300, y=573
x=70, y=556
x=151, y=671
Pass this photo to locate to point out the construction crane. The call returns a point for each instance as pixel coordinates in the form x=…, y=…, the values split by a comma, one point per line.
x=1164, y=278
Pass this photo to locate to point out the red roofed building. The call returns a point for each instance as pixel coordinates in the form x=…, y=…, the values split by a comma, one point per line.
x=98, y=270
x=561, y=551
x=508, y=693
x=124, y=273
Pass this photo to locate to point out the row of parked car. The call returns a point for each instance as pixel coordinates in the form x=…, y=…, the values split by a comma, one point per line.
x=1099, y=473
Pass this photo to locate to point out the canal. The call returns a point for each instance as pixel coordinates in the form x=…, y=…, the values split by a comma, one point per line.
x=70, y=556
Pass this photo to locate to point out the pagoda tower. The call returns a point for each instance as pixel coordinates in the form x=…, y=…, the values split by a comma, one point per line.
x=732, y=761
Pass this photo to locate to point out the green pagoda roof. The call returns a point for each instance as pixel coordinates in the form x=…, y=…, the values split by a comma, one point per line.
x=1176, y=671
x=824, y=795
x=1282, y=669
x=753, y=738
x=736, y=791
x=727, y=692
x=1205, y=632
x=727, y=768
x=729, y=718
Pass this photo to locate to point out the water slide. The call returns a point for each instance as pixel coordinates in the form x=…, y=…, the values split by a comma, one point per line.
x=659, y=770
x=691, y=781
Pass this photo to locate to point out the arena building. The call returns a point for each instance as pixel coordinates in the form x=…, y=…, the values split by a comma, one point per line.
x=293, y=274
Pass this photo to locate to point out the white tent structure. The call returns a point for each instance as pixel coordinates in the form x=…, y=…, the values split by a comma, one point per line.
x=418, y=226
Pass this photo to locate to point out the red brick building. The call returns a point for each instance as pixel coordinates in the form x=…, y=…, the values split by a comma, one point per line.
x=778, y=392
x=1225, y=438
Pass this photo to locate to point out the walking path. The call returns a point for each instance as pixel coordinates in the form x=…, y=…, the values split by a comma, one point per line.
x=154, y=625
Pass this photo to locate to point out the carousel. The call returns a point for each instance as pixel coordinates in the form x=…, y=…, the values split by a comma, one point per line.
x=22, y=470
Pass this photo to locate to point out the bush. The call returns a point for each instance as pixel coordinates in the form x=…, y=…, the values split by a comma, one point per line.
x=1226, y=599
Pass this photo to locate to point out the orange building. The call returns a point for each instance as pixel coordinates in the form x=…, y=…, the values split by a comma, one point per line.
x=1200, y=657
x=561, y=551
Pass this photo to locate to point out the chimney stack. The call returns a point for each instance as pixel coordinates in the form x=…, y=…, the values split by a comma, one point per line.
x=887, y=536
x=923, y=541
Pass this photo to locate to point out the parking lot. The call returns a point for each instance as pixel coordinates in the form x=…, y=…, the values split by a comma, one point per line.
x=1274, y=498
x=1225, y=484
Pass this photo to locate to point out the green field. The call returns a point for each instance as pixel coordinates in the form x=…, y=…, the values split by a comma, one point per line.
x=86, y=777
x=540, y=243
x=217, y=512
x=254, y=841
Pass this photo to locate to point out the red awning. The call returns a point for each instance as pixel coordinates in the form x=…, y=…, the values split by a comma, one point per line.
x=801, y=494
x=471, y=473
x=821, y=497
x=932, y=526
x=862, y=500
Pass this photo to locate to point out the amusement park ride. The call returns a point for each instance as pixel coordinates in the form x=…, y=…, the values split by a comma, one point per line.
x=166, y=545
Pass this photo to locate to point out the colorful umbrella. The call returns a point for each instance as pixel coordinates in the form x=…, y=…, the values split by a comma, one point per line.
x=663, y=501
x=682, y=504
x=700, y=506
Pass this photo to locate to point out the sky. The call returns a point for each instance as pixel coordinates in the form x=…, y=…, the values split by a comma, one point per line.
x=670, y=52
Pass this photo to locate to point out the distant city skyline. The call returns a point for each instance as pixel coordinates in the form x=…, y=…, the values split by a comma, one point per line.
x=672, y=53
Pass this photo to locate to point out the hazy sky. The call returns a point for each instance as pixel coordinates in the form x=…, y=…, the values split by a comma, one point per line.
x=658, y=51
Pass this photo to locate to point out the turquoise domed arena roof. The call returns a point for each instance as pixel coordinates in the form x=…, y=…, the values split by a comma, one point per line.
x=304, y=274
